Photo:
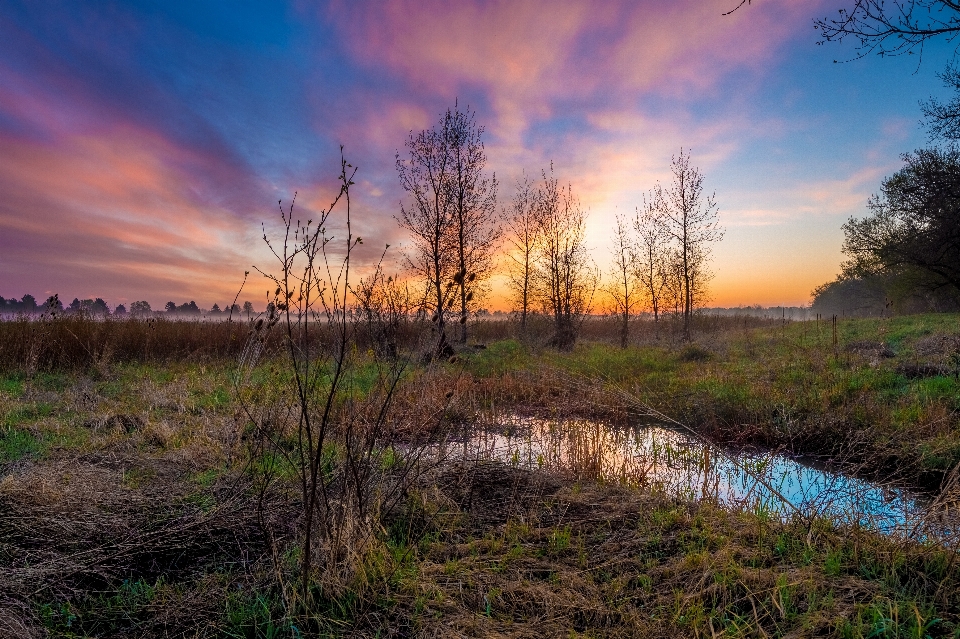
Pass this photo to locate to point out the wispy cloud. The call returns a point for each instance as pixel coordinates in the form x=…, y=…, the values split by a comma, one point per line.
x=140, y=148
x=96, y=209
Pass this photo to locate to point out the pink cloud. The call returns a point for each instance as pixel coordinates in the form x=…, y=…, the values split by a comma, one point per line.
x=527, y=55
x=129, y=206
x=531, y=62
x=119, y=206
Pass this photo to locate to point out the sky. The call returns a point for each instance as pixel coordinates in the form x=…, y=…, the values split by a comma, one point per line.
x=144, y=146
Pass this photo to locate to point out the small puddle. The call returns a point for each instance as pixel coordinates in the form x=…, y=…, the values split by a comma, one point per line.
x=682, y=465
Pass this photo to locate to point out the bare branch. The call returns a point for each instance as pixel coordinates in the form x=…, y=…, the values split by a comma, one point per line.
x=892, y=27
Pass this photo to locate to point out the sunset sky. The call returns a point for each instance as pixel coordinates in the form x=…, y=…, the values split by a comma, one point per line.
x=143, y=143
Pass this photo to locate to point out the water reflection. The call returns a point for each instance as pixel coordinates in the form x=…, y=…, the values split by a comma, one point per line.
x=678, y=463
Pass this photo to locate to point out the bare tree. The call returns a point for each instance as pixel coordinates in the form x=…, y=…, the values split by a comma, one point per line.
x=892, y=27
x=652, y=257
x=429, y=219
x=313, y=427
x=382, y=307
x=903, y=27
x=473, y=198
x=673, y=279
x=943, y=118
x=691, y=219
x=700, y=275
x=623, y=289
x=565, y=278
x=523, y=228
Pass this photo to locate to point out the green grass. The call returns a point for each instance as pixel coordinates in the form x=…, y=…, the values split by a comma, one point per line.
x=784, y=383
x=497, y=359
x=103, y=614
x=218, y=399
x=778, y=384
x=26, y=413
x=12, y=384
x=586, y=561
x=644, y=567
x=255, y=615
x=15, y=444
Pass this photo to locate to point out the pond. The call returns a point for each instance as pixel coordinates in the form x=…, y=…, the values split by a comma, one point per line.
x=666, y=458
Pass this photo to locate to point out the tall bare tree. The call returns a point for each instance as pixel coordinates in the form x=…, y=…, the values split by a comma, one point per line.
x=566, y=278
x=652, y=256
x=523, y=223
x=473, y=198
x=692, y=220
x=673, y=289
x=426, y=177
x=623, y=287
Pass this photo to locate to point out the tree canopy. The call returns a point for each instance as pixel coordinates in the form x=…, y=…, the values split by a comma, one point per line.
x=914, y=223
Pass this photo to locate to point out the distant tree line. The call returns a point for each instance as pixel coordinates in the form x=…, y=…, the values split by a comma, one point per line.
x=28, y=305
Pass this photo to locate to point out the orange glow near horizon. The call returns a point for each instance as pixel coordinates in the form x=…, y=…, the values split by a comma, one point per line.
x=140, y=151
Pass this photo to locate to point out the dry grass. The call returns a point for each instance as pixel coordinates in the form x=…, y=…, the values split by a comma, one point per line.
x=77, y=530
x=81, y=343
x=130, y=546
x=129, y=513
x=534, y=556
x=72, y=343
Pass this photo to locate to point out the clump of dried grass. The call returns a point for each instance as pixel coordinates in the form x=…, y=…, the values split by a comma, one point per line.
x=71, y=529
x=159, y=433
x=939, y=345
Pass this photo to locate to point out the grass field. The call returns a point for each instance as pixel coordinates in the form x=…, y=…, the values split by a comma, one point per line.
x=133, y=504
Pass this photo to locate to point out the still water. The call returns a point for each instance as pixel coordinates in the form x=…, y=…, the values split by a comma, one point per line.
x=669, y=459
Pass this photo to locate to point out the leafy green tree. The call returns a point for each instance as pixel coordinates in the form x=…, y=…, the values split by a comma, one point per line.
x=914, y=223
x=854, y=296
x=943, y=118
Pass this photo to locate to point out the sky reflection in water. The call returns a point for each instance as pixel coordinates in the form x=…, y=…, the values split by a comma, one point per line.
x=680, y=464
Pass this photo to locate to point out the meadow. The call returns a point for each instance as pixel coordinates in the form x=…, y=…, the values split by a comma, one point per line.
x=137, y=499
